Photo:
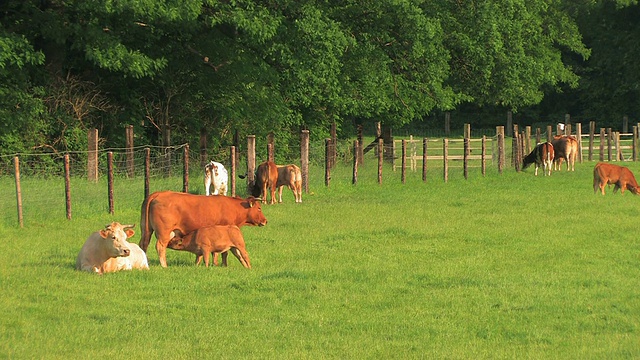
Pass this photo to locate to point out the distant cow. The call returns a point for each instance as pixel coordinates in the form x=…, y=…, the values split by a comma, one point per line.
x=213, y=240
x=566, y=147
x=290, y=176
x=543, y=155
x=270, y=176
x=622, y=177
x=167, y=211
x=108, y=250
x=266, y=179
x=215, y=174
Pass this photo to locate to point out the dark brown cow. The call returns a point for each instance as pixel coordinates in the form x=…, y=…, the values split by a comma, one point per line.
x=566, y=147
x=266, y=179
x=621, y=176
x=543, y=155
x=166, y=211
x=213, y=240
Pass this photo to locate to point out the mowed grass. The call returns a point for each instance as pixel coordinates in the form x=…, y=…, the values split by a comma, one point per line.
x=505, y=266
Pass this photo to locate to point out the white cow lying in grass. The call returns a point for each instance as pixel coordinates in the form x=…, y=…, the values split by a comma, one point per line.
x=108, y=250
x=215, y=174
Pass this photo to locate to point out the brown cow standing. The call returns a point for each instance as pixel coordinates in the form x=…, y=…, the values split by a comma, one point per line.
x=167, y=211
x=290, y=176
x=543, y=155
x=621, y=176
x=566, y=147
x=266, y=179
x=270, y=176
x=213, y=240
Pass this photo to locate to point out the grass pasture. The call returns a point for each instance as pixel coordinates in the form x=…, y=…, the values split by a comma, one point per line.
x=505, y=266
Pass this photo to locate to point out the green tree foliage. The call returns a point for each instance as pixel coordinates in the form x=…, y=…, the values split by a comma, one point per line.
x=256, y=67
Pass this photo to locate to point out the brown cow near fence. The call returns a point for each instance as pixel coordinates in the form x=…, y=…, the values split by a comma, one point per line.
x=622, y=177
x=543, y=155
x=566, y=147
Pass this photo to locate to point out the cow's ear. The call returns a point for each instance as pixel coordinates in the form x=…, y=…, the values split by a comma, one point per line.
x=129, y=232
x=104, y=233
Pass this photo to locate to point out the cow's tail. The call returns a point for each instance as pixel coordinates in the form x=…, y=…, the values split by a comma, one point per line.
x=147, y=231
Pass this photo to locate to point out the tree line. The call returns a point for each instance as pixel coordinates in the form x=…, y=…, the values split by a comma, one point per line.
x=237, y=67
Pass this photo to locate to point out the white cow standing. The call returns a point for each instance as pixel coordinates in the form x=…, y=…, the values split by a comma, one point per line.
x=108, y=250
x=215, y=174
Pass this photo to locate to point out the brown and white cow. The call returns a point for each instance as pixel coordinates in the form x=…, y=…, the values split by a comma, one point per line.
x=566, y=147
x=108, y=250
x=543, y=155
x=167, y=211
x=622, y=177
x=270, y=176
x=213, y=240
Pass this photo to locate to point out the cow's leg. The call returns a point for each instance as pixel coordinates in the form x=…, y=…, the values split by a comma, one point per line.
x=198, y=259
x=215, y=258
x=206, y=257
x=224, y=258
x=161, y=248
x=280, y=194
x=536, y=172
x=273, y=194
x=242, y=256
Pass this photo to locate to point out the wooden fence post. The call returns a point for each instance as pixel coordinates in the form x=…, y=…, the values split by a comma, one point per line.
x=579, y=137
x=359, y=151
x=403, y=172
x=592, y=136
x=131, y=171
x=514, y=146
x=354, y=180
x=92, y=156
x=467, y=150
x=380, y=158
x=424, y=159
x=16, y=167
x=185, y=169
x=538, y=135
x=110, y=180
x=484, y=155
x=602, y=140
x=501, y=152
x=634, y=144
x=327, y=161
x=445, y=160
x=147, y=171
x=304, y=159
x=232, y=160
x=609, y=140
x=251, y=160
x=67, y=186
x=549, y=133
x=527, y=139
x=333, y=152
x=625, y=124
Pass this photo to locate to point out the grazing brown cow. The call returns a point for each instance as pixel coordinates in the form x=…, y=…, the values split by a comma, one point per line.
x=213, y=240
x=543, y=155
x=270, y=176
x=566, y=147
x=622, y=177
x=266, y=179
x=167, y=211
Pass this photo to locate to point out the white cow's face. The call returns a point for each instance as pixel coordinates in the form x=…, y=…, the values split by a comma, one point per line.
x=115, y=239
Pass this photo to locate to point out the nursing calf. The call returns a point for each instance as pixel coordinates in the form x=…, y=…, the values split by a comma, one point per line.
x=212, y=240
x=622, y=177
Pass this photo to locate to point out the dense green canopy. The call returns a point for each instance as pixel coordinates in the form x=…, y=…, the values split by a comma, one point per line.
x=261, y=66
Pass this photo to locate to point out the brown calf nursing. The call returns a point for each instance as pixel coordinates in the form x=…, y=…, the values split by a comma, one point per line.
x=212, y=240
x=622, y=177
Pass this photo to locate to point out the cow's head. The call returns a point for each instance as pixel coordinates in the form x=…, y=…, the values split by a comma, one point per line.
x=254, y=211
x=115, y=237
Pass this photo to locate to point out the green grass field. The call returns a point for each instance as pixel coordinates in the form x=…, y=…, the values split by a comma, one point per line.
x=506, y=266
